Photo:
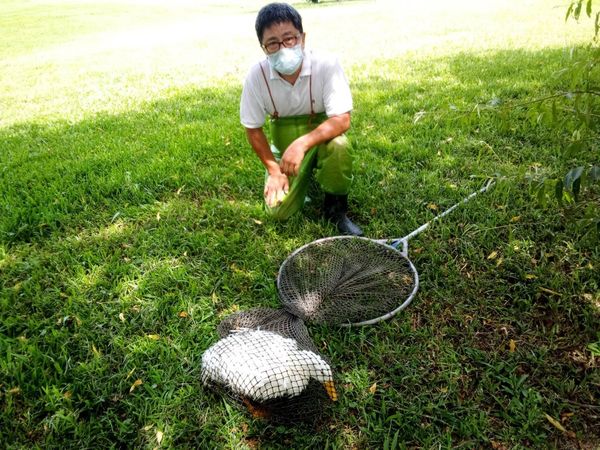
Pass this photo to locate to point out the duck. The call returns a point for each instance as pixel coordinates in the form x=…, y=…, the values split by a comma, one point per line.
x=260, y=365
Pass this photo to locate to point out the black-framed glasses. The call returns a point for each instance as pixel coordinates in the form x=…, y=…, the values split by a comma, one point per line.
x=287, y=42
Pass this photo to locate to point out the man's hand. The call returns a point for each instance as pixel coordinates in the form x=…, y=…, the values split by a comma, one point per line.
x=276, y=188
x=293, y=156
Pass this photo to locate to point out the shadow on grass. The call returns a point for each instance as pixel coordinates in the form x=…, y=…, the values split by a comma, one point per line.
x=128, y=237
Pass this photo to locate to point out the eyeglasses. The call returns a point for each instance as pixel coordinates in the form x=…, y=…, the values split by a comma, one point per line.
x=274, y=46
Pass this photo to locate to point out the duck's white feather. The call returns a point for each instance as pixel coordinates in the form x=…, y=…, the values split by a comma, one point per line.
x=262, y=365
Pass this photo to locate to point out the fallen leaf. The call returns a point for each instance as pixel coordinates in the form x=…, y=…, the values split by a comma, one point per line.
x=95, y=351
x=14, y=390
x=130, y=373
x=433, y=206
x=530, y=276
x=498, y=445
x=68, y=395
x=515, y=219
x=566, y=416
x=373, y=388
x=559, y=426
x=179, y=190
x=257, y=222
x=183, y=314
x=493, y=255
x=135, y=384
x=159, y=436
x=147, y=427
x=512, y=345
x=555, y=423
x=154, y=337
x=158, y=216
x=549, y=291
x=122, y=317
x=499, y=262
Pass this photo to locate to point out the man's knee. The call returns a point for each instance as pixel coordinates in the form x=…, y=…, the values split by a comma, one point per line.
x=338, y=144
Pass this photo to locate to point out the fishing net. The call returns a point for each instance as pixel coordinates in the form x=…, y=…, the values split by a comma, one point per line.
x=350, y=280
x=268, y=319
x=267, y=362
x=266, y=359
x=345, y=280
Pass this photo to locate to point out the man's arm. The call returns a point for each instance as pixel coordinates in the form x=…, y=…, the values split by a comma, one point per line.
x=277, y=184
x=329, y=129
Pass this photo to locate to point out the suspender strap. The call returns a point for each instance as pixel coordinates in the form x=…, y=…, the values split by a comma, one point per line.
x=275, y=113
x=312, y=102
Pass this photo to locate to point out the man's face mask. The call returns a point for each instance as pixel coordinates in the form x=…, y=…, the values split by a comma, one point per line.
x=286, y=60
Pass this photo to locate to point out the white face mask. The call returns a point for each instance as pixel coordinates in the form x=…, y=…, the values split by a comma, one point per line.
x=286, y=60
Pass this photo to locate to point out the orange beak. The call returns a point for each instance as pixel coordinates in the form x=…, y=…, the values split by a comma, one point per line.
x=330, y=389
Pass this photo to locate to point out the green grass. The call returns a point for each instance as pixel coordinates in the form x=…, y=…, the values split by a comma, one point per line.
x=129, y=195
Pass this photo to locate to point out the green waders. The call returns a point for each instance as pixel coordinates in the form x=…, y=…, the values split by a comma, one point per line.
x=331, y=162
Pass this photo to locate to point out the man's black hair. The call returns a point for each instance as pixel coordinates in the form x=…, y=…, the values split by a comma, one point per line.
x=274, y=13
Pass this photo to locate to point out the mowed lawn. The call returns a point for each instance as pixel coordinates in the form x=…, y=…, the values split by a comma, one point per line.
x=131, y=224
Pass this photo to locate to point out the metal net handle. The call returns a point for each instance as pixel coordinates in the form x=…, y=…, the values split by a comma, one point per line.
x=394, y=243
x=404, y=240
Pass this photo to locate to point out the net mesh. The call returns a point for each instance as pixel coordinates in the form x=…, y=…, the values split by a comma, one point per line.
x=344, y=280
x=268, y=319
x=266, y=361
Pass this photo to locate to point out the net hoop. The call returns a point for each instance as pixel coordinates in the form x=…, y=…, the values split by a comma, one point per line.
x=374, y=242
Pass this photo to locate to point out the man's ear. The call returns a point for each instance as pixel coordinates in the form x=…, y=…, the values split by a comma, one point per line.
x=303, y=40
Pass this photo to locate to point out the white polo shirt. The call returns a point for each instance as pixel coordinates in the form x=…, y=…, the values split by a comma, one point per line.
x=330, y=90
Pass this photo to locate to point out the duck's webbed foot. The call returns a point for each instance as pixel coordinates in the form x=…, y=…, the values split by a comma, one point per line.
x=257, y=411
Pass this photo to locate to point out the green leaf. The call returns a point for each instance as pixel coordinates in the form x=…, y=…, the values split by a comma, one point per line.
x=574, y=149
x=594, y=348
x=569, y=11
x=576, y=188
x=541, y=194
x=395, y=440
x=558, y=191
x=595, y=173
x=588, y=8
x=577, y=10
x=572, y=176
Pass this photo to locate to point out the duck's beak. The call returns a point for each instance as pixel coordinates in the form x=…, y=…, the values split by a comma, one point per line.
x=330, y=389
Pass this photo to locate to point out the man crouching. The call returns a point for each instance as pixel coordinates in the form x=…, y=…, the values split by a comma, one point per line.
x=308, y=99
